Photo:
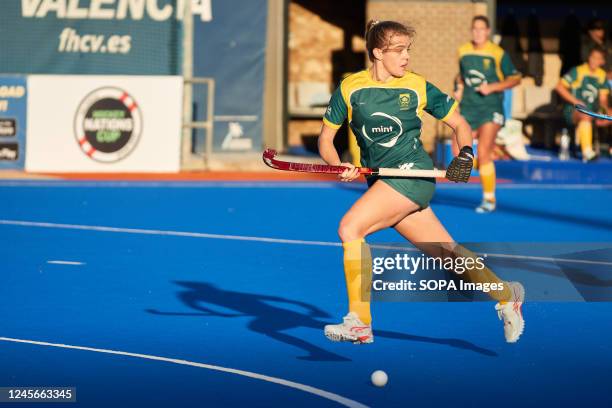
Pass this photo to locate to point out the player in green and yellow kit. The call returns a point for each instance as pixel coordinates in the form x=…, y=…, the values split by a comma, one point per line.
x=585, y=85
x=384, y=106
x=485, y=72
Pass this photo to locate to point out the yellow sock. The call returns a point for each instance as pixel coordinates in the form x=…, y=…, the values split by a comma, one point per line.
x=584, y=131
x=487, y=176
x=484, y=275
x=358, y=273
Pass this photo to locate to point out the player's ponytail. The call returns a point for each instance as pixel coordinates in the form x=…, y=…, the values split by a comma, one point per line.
x=379, y=33
x=369, y=26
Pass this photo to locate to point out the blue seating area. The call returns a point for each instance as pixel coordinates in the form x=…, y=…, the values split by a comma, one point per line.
x=556, y=171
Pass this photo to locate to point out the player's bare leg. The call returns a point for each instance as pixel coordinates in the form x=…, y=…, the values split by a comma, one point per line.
x=380, y=207
x=425, y=231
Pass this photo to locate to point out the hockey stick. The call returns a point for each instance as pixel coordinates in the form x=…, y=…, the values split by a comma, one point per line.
x=583, y=109
x=269, y=154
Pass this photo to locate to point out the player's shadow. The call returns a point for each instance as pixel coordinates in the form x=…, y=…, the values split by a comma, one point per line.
x=271, y=320
x=268, y=318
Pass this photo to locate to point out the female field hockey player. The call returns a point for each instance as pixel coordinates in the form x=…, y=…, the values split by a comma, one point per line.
x=384, y=106
x=485, y=72
x=585, y=85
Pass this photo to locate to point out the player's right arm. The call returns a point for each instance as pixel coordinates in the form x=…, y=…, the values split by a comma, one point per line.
x=564, y=86
x=335, y=115
x=327, y=149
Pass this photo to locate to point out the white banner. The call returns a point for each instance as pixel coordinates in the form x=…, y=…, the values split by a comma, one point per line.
x=104, y=123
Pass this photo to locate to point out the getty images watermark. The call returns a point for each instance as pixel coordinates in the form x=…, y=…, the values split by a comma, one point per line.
x=443, y=272
x=399, y=265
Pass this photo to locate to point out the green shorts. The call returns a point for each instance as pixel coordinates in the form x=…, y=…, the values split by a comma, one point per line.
x=477, y=116
x=418, y=190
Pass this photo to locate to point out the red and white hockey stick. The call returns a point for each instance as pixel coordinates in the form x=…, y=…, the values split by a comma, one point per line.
x=269, y=154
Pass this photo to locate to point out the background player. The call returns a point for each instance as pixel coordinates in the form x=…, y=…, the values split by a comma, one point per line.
x=485, y=72
x=585, y=85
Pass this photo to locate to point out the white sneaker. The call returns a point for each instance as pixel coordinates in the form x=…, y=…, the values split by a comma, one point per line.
x=589, y=156
x=511, y=313
x=351, y=329
x=486, y=207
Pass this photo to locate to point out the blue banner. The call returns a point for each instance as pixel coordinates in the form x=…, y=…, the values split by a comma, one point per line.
x=13, y=106
x=144, y=37
x=231, y=49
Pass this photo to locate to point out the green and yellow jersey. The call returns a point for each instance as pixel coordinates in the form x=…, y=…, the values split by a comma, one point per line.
x=386, y=119
x=486, y=65
x=586, y=85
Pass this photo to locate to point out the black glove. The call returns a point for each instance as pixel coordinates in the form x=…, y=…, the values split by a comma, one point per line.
x=461, y=167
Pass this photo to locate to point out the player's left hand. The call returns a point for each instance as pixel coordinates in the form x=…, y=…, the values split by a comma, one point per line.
x=461, y=167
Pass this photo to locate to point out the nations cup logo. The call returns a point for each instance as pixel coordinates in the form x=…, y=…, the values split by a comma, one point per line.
x=108, y=124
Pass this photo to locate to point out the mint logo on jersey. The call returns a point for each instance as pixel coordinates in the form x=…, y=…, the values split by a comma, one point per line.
x=589, y=95
x=475, y=78
x=384, y=129
x=108, y=124
x=404, y=101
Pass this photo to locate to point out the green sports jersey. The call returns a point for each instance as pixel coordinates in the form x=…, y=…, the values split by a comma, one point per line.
x=386, y=117
x=586, y=85
x=487, y=65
